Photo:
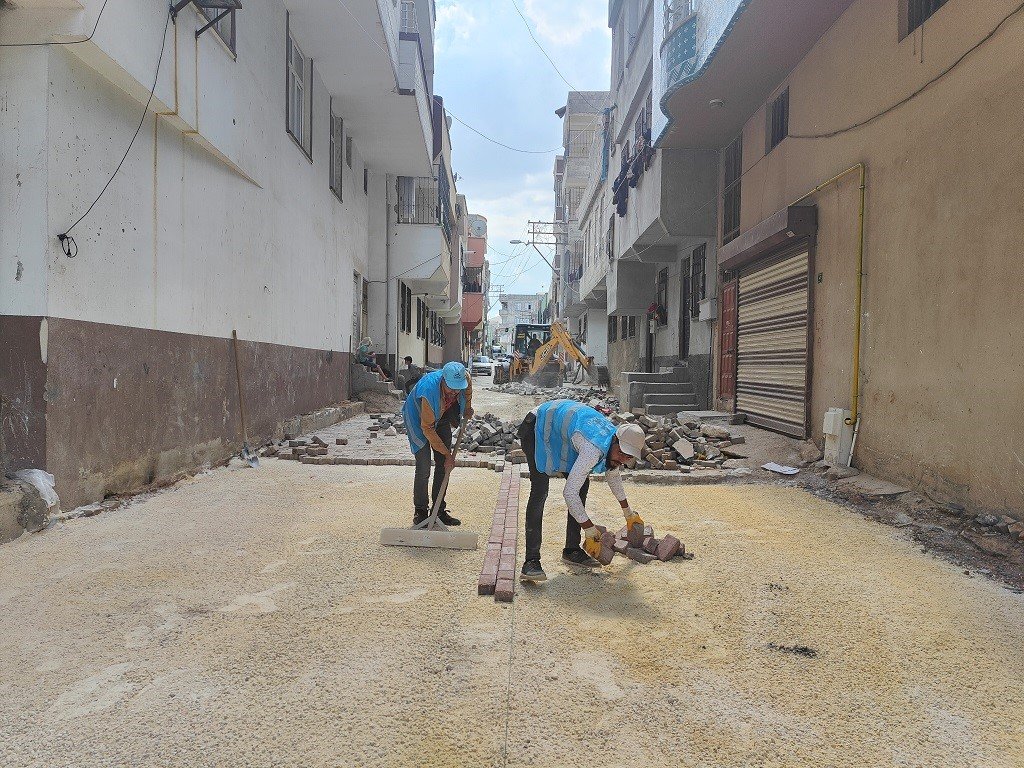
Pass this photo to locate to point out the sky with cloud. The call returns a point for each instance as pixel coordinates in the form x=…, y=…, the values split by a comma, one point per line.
x=493, y=77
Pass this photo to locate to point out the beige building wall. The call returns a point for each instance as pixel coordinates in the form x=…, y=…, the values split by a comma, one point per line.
x=943, y=318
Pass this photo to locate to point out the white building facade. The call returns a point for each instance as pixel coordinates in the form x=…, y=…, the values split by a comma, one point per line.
x=254, y=198
x=649, y=224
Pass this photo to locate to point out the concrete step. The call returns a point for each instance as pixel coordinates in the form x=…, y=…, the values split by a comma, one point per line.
x=670, y=399
x=661, y=388
x=679, y=373
x=669, y=410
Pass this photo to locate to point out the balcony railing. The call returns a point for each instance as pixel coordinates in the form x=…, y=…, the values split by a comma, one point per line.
x=417, y=201
x=676, y=12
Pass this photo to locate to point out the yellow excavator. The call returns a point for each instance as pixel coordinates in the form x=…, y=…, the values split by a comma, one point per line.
x=542, y=354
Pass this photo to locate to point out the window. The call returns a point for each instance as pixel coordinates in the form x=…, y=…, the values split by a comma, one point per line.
x=733, y=161
x=663, y=297
x=223, y=23
x=632, y=326
x=348, y=151
x=919, y=11
x=697, y=287
x=337, y=131
x=778, y=121
x=410, y=23
x=613, y=329
x=419, y=318
x=366, y=181
x=405, y=311
x=298, y=97
x=610, y=242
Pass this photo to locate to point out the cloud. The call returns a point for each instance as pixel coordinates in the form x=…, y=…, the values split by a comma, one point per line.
x=454, y=23
x=566, y=22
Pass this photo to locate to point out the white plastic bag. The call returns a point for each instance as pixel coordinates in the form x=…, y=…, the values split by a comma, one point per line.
x=42, y=482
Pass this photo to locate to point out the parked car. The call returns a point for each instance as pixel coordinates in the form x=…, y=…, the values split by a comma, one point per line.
x=481, y=365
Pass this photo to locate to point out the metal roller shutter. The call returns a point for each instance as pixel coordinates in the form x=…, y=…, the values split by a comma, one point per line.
x=771, y=374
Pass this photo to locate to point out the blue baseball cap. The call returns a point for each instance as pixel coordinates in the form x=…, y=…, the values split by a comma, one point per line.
x=454, y=375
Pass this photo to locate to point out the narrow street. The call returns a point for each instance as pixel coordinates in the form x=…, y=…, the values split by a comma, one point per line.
x=250, y=617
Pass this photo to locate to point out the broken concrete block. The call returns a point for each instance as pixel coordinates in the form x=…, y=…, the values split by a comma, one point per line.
x=651, y=545
x=635, y=535
x=714, y=431
x=810, y=453
x=684, y=448
x=667, y=548
x=607, y=548
x=620, y=546
x=341, y=441
x=317, y=440
x=639, y=555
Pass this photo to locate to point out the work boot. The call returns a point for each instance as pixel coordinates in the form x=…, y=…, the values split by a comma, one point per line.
x=419, y=516
x=532, y=571
x=447, y=519
x=580, y=558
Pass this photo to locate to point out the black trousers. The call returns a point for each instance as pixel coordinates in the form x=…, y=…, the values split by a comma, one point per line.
x=539, y=483
x=445, y=425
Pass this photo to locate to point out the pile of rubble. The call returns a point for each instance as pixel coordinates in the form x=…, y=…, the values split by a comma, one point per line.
x=682, y=443
x=640, y=544
x=595, y=397
x=489, y=434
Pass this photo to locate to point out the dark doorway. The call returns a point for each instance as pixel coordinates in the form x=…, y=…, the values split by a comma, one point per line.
x=727, y=364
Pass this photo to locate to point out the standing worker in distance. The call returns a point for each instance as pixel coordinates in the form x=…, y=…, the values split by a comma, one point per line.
x=564, y=436
x=437, y=404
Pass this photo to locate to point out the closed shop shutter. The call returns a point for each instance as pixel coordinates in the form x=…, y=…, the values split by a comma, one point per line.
x=771, y=371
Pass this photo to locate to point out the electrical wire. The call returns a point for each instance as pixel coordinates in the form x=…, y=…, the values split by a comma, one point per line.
x=915, y=94
x=68, y=244
x=64, y=42
x=499, y=143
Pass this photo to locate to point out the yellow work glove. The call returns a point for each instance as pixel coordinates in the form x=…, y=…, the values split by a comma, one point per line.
x=592, y=541
x=632, y=518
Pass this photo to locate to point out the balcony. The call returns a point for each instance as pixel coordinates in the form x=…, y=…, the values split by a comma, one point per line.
x=472, y=280
x=732, y=53
x=418, y=236
x=386, y=106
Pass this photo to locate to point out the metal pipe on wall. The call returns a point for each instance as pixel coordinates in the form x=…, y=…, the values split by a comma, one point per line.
x=859, y=297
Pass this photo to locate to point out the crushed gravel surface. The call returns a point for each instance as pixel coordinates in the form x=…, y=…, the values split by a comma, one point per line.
x=250, y=618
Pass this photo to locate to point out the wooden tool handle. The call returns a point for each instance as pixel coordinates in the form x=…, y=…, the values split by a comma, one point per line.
x=448, y=474
x=238, y=379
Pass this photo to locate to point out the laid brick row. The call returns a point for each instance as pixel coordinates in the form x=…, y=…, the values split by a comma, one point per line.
x=497, y=576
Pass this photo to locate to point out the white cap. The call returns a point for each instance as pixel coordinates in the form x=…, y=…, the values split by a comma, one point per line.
x=631, y=439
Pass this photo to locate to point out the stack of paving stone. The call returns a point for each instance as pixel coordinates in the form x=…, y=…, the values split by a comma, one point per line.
x=639, y=543
x=683, y=443
x=489, y=434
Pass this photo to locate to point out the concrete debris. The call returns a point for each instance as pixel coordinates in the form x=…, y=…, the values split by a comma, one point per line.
x=596, y=397
x=810, y=453
x=780, y=469
x=838, y=473
x=378, y=402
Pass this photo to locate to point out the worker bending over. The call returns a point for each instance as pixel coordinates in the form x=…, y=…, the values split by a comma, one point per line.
x=564, y=436
x=437, y=403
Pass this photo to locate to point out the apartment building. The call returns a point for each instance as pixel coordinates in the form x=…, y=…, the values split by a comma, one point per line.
x=254, y=198
x=660, y=225
x=868, y=191
x=476, y=279
x=582, y=118
x=583, y=139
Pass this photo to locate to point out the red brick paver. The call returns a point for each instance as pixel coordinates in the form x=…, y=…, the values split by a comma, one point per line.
x=497, y=576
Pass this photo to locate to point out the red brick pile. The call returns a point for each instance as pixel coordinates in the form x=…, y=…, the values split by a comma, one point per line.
x=639, y=543
x=497, y=577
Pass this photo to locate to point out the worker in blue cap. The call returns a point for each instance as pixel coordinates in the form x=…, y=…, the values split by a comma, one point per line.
x=434, y=408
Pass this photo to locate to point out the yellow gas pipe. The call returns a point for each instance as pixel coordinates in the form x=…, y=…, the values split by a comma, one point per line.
x=858, y=299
